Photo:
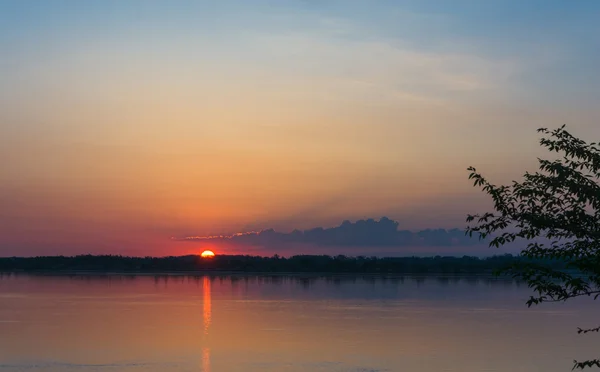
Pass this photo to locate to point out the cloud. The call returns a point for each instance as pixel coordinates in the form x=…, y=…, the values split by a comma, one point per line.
x=360, y=234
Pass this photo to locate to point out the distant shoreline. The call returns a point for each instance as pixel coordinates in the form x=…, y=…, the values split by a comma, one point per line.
x=302, y=265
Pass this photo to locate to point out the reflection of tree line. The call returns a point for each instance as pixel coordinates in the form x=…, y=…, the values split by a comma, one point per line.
x=306, y=281
x=275, y=264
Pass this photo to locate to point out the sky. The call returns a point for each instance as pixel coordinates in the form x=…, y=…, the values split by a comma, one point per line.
x=126, y=127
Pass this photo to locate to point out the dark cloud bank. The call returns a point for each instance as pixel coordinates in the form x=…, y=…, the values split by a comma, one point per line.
x=369, y=233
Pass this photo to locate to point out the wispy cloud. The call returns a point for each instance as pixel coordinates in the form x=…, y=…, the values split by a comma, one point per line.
x=339, y=61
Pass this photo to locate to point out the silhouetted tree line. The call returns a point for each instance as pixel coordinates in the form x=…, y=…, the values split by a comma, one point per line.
x=274, y=264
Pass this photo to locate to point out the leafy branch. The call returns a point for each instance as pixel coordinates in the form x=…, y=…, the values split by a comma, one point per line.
x=559, y=203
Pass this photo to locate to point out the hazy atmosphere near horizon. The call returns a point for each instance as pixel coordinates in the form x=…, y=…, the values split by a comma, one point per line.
x=154, y=127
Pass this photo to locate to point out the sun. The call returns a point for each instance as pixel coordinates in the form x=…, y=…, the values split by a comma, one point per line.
x=207, y=254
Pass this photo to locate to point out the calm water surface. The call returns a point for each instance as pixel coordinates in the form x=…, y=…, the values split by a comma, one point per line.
x=289, y=324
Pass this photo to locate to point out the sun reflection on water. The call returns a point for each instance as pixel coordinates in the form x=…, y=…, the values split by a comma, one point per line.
x=207, y=304
x=206, y=318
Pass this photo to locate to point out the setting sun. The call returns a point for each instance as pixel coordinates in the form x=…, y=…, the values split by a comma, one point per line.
x=207, y=254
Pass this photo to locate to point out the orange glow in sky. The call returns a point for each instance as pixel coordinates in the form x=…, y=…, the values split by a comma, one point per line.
x=293, y=125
